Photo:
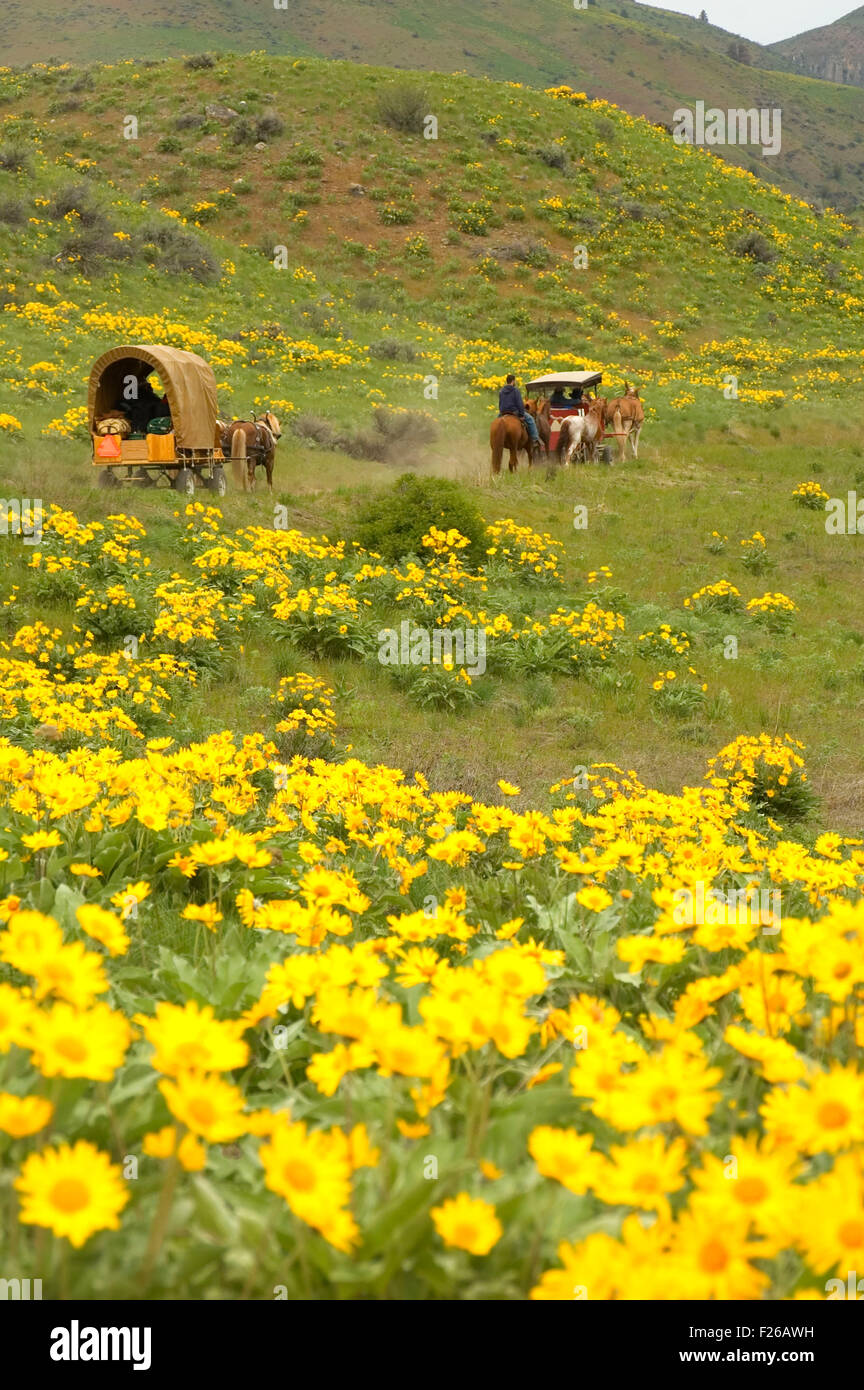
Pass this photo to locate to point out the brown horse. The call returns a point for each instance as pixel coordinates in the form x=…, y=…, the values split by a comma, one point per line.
x=595, y=424
x=249, y=443
x=540, y=410
x=626, y=414
x=508, y=432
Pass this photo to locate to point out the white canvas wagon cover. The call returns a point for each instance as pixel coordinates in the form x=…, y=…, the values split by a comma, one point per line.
x=565, y=379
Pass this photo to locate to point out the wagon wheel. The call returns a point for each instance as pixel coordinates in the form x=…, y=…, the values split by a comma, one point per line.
x=107, y=478
x=218, y=483
x=185, y=481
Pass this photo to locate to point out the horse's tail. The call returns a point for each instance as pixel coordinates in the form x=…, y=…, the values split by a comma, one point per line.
x=618, y=422
x=496, y=441
x=238, y=458
x=564, y=438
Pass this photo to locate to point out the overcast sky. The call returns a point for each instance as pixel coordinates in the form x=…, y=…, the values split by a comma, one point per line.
x=764, y=21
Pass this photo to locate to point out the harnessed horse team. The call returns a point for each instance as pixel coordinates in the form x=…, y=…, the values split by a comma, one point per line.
x=580, y=434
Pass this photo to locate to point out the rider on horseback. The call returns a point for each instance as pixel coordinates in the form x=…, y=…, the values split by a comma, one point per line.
x=510, y=402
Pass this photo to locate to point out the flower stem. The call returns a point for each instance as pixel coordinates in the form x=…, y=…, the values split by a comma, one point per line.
x=160, y=1220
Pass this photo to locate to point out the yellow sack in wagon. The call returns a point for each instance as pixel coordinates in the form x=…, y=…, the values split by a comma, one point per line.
x=160, y=448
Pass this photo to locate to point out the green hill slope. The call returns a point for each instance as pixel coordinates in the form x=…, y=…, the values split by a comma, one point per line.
x=648, y=61
x=478, y=238
x=694, y=270
x=348, y=266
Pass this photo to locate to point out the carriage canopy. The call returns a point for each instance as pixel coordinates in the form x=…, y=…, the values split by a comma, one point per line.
x=565, y=379
x=188, y=382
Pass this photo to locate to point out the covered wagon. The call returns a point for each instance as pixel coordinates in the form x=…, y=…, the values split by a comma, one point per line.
x=139, y=437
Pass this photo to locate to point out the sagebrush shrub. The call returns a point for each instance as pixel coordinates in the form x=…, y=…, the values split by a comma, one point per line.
x=554, y=157
x=756, y=247
x=394, y=522
x=393, y=350
x=12, y=213
x=403, y=107
x=178, y=251
x=14, y=156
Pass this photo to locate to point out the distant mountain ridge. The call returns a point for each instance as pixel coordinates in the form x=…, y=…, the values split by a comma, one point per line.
x=834, y=52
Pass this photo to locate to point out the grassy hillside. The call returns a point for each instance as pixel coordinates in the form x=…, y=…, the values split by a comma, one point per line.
x=648, y=61
x=155, y=29
x=455, y=264
x=478, y=230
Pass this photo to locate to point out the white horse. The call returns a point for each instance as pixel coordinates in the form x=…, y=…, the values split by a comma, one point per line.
x=572, y=438
x=580, y=434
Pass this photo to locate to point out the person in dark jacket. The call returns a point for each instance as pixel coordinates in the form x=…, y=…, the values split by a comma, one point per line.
x=559, y=399
x=143, y=408
x=510, y=402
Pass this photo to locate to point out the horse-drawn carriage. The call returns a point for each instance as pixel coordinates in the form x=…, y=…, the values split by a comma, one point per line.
x=559, y=382
x=182, y=446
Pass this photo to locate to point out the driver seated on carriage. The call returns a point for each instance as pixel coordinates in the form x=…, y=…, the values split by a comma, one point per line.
x=559, y=399
x=143, y=407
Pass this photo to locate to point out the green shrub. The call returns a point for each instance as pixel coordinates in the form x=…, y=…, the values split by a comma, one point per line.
x=403, y=107
x=417, y=247
x=554, y=157
x=396, y=215
x=309, y=156
x=324, y=319
x=471, y=218
x=12, y=213
x=438, y=686
x=77, y=198
x=756, y=247
x=393, y=350
x=681, y=700
x=14, y=156
x=394, y=522
x=178, y=251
